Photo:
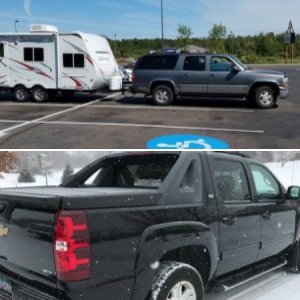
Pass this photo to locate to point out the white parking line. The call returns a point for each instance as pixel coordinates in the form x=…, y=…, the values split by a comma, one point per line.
x=128, y=125
x=134, y=107
x=37, y=121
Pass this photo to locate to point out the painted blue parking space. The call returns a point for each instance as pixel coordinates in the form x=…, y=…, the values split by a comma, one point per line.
x=184, y=141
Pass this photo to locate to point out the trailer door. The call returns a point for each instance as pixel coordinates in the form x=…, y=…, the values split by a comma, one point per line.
x=4, y=64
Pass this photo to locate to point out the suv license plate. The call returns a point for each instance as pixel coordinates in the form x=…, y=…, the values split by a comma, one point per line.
x=5, y=289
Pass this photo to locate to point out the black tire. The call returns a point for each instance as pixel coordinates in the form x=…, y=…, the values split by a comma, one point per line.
x=39, y=94
x=177, y=276
x=21, y=93
x=265, y=97
x=163, y=95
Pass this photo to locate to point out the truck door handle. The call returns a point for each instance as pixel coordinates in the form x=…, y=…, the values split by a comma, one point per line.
x=266, y=215
x=229, y=220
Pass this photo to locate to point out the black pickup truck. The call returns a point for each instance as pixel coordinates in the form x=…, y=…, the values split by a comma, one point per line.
x=167, y=76
x=146, y=226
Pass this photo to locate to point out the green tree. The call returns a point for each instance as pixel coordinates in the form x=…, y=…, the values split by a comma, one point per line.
x=184, y=36
x=217, y=37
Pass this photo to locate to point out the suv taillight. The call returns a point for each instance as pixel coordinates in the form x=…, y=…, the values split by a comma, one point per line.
x=133, y=77
x=72, y=248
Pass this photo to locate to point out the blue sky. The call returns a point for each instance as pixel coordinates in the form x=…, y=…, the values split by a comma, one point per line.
x=141, y=18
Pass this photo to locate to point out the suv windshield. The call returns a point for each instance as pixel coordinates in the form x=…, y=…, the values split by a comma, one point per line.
x=147, y=171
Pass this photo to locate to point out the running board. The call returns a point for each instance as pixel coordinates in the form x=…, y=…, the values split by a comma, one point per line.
x=221, y=287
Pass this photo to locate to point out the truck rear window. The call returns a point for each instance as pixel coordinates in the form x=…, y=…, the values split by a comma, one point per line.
x=146, y=171
x=159, y=62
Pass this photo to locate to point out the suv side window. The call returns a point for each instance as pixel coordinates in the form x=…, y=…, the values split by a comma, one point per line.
x=158, y=62
x=195, y=63
x=231, y=181
x=220, y=64
x=266, y=186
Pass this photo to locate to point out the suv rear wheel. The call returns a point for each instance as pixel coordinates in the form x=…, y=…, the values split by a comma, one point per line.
x=177, y=281
x=163, y=95
x=265, y=97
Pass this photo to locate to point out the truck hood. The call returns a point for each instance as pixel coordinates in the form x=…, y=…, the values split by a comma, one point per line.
x=266, y=72
x=80, y=198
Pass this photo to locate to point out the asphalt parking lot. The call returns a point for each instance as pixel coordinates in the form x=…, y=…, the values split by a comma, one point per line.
x=116, y=122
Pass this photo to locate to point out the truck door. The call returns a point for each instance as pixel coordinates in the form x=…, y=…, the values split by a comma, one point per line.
x=224, y=80
x=239, y=221
x=278, y=220
x=193, y=76
x=4, y=67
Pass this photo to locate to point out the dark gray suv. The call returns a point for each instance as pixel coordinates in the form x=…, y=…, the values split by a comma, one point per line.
x=166, y=76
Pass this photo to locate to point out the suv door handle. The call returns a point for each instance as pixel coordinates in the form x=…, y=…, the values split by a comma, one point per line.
x=185, y=75
x=266, y=215
x=212, y=76
x=228, y=220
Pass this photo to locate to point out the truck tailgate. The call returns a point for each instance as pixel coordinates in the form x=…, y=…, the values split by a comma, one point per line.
x=26, y=233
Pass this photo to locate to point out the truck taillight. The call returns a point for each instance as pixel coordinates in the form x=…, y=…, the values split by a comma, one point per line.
x=72, y=248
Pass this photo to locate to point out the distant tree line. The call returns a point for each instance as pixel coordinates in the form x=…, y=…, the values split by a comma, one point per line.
x=264, y=47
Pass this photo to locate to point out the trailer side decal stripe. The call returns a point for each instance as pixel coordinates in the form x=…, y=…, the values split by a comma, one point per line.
x=31, y=68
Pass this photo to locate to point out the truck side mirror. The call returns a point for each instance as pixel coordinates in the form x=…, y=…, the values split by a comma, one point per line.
x=293, y=193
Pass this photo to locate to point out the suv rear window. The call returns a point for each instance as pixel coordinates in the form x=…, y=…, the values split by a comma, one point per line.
x=147, y=171
x=158, y=62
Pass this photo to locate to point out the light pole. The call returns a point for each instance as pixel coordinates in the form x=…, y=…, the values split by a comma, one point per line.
x=16, y=22
x=162, y=26
x=115, y=35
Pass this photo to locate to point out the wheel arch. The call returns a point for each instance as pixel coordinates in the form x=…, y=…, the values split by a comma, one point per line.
x=174, y=241
x=272, y=84
x=167, y=82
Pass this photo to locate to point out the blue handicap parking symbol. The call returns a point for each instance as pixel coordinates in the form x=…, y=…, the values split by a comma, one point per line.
x=184, y=141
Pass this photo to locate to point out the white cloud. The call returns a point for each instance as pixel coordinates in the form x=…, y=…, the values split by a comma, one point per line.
x=27, y=7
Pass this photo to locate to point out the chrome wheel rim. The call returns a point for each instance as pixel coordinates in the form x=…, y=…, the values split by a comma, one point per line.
x=183, y=290
x=266, y=98
x=162, y=96
x=20, y=94
x=39, y=95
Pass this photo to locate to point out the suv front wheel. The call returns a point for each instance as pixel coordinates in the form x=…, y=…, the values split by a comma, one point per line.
x=178, y=281
x=163, y=95
x=265, y=97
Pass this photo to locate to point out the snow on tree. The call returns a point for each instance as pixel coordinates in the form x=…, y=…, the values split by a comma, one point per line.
x=26, y=177
x=7, y=160
x=68, y=172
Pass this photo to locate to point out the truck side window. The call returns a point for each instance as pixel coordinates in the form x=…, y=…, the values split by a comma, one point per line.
x=220, y=64
x=267, y=187
x=195, y=63
x=231, y=180
x=1, y=50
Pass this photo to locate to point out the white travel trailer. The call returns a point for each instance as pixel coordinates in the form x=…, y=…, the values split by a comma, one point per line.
x=45, y=61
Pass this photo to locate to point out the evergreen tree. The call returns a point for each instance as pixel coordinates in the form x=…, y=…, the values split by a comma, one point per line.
x=68, y=172
x=26, y=177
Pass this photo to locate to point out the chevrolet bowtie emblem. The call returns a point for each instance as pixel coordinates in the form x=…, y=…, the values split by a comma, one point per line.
x=3, y=231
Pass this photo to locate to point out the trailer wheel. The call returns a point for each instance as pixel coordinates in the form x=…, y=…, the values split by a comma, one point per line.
x=39, y=94
x=21, y=93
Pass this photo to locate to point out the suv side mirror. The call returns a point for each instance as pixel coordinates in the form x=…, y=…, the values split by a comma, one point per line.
x=235, y=68
x=293, y=193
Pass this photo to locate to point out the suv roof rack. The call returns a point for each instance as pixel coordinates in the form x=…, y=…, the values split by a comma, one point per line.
x=235, y=153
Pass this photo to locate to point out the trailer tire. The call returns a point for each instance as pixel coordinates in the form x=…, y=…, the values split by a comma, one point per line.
x=39, y=94
x=21, y=93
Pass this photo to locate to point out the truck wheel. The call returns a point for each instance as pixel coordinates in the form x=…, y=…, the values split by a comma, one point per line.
x=21, y=94
x=163, y=95
x=177, y=281
x=39, y=94
x=265, y=97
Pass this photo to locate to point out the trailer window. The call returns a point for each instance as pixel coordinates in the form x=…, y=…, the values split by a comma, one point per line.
x=28, y=54
x=34, y=54
x=71, y=60
x=1, y=50
x=79, y=61
x=38, y=54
